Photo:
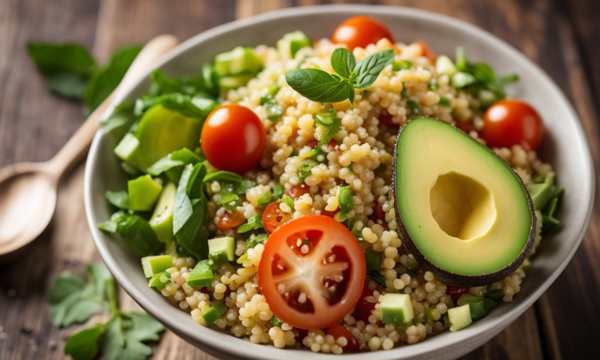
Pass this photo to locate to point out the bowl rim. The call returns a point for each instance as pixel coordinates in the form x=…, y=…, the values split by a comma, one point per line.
x=435, y=345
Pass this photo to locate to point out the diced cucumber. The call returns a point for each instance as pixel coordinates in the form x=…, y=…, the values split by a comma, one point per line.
x=153, y=265
x=211, y=313
x=201, y=275
x=160, y=280
x=160, y=132
x=459, y=317
x=234, y=81
x=221, y=249
x=396, y=309
x=238, y=61
x=162, y=217
x=143, y=193
x=290, y=43
x=127, y=147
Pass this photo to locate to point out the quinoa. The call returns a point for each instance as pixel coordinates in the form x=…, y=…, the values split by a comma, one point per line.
x=360, y=156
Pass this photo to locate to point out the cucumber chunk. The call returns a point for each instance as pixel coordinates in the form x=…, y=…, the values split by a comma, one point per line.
x=221, y=249
x=211, y=313
x=459, y=317
x=238, y=61
x=201, y=275
x=396, y=309
x=143, y=193
x=290, y=43
x=160, y=132
x=160, y=280
x=127, y=147
x=162, y=217
x=153, y=265
x=234, y=81
x=477, y=305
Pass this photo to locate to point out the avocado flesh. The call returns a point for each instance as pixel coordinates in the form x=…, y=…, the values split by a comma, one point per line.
x=160, y=132
x=461, y=208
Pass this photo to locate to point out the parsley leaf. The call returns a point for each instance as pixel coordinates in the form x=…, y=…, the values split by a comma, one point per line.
x=85, y=344
x=67, y=67
x=127, y=334
x=72, y=300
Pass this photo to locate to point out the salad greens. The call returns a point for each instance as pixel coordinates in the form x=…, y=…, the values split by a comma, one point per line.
x=124, y=336
x=72, y=72
x=318, y=85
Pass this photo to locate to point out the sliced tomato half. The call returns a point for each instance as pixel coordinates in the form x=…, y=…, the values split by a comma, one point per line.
x=312, y=272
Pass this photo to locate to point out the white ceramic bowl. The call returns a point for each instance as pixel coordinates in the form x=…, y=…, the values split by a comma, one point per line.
x=565, y=147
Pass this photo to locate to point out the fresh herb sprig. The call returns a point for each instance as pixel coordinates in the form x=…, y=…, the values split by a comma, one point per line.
x=321, y=86
x=124, y=336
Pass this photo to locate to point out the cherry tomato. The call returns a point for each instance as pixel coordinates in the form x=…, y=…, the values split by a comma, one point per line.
x=378, y=213
x=360, y=31
x=233, y=138
x=365, y=306
x=298, y=190
x=338, y=331
x=512, y=122
x=312, y=272
x=230, y=220
x=273, y=217
x=466, y=126
x=426, y=51
x=456, y=291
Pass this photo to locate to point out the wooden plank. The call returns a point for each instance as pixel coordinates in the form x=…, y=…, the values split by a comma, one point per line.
x=33, y=126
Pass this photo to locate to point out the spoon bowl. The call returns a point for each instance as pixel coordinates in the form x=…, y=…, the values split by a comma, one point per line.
x=28, y=191
x=27, y=202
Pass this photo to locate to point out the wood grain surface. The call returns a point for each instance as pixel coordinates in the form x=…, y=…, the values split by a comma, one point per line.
x=560, y=36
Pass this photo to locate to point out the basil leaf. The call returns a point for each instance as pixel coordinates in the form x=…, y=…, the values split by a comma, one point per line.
x=190, y=214
x=173, y=160
x=367, y=70
x=197, y=106
x=343, y=62
x=163, y=84
x=67, y=67
x=222, y=175
x=109, y=76
x=318, y=85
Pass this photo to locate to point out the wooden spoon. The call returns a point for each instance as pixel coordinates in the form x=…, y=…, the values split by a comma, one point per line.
x=28, y=191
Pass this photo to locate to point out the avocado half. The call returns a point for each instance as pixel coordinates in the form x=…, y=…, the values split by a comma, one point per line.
x=463, y=212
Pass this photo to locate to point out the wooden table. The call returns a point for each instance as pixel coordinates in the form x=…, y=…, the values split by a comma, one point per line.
x=560, y=36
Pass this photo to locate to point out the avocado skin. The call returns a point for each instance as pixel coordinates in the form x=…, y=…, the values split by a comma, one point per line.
x=446, y=276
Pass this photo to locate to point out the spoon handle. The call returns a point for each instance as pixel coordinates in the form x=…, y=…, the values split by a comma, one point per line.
x=79, y=143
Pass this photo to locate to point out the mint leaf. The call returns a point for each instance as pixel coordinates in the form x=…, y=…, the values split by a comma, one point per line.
x=343, y=62
x=67, y=67
x=85, y=344
x=318, y=85
x=105, y=80
x=367, y=70
x=72, y=300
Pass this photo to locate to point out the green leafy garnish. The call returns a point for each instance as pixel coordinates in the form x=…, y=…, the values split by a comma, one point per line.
x=119, y=199
x=345, y=200
x=135, y=232
x=318, y=85
x=222, y=175
x=305, y=168
x=330, y=122
x=173, y=160
x=272, y=107
x=72, y=300
x=480, y=80
x=67, y=67
x=190, y=214
x=124, y=336
x=255, y=239
x=106, y=79
x=402, y=65
x=253, y=223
